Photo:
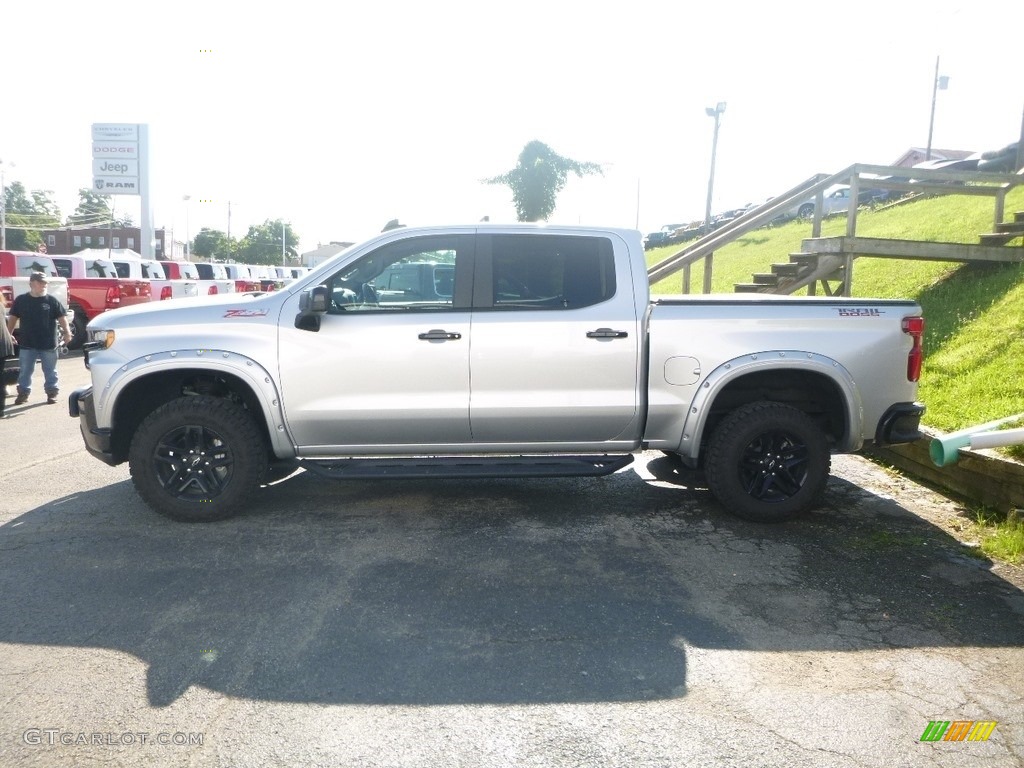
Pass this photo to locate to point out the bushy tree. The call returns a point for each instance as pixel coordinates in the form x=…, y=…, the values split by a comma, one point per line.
x=539, y=175
x=94, y=211
x=26, y=214
x=262, y=243
x=212, y=244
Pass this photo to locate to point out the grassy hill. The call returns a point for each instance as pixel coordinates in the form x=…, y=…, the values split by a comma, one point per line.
x=974, y=314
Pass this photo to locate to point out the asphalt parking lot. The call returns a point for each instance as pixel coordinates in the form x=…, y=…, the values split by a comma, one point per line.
x=624, y=621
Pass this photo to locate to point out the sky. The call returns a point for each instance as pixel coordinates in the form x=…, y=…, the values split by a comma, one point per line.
x=340, y=117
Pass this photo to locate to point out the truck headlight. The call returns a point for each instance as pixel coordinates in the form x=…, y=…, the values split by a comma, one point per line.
x=99, y=338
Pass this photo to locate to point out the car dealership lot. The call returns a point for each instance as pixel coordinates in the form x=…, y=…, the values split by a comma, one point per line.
x=620, y=621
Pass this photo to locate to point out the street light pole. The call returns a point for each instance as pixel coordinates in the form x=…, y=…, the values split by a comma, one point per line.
x=940, y=84
x=715, y=112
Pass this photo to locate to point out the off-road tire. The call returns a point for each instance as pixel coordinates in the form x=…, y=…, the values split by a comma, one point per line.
x=197, y=459
x=77, y=328
x=768, y=462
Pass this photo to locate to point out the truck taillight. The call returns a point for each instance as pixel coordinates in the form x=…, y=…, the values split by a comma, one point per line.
x=113, y=297
x=915, y=327
x=166, y=292
x=212, y=291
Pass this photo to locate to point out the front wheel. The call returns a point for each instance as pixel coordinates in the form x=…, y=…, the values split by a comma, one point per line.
x=806, y=211
x=768, y=462
x=77, y=328
x=197, y=459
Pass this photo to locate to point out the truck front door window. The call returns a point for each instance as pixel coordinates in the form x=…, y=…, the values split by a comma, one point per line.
x=417, y=276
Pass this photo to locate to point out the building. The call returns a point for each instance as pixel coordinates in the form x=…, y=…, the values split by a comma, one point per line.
x=323, y=252
x=67, y=240
x=916, y=155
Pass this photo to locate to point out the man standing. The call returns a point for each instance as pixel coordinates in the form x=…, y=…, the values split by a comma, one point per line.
x=39, y=315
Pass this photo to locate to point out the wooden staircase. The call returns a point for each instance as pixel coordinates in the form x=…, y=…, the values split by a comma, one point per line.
x=828, y=260
x=1006, y=232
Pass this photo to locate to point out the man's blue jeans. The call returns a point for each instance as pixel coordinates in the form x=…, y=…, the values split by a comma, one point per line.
x=27, y=360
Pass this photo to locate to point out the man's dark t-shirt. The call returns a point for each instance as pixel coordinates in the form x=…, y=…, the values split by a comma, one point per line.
x=37, y=320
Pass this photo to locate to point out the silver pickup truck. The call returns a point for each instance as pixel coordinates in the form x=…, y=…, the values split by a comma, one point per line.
x=526, y=351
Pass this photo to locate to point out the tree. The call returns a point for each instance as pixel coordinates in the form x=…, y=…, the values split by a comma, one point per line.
x=538, y=177
x=213, y=244
x=26, y=214
x=94, y=211
x=262, y=243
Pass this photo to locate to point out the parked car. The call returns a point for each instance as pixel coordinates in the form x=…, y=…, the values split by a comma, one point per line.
x=835, y=200
x=1000, y=160
x=245, y=280
x=187, y=270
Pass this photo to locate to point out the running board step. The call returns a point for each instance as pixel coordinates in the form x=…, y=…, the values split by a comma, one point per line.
x=470, y=466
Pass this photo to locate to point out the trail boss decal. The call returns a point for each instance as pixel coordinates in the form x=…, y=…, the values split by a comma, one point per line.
x=859, y=312
x=246, y=313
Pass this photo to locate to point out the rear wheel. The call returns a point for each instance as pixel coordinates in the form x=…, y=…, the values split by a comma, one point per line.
x=768, y=462
x=806, y=211
x=197, y=459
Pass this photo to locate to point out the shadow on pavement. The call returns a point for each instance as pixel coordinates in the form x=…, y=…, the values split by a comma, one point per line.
x=487, y=591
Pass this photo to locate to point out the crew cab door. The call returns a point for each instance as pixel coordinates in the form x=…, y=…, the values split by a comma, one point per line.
x=556, y=341
x=388, y=369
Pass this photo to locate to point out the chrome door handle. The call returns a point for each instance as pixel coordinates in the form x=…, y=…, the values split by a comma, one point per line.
x=437, y=334
x=606, y=333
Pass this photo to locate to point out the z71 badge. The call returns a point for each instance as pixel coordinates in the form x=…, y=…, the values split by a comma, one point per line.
x=246, y=313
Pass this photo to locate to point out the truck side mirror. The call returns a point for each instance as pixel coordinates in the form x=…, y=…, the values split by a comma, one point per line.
x=312, y=305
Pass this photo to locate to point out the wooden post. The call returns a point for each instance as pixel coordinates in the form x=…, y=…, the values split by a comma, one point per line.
x=851, y=214
x=708, y=262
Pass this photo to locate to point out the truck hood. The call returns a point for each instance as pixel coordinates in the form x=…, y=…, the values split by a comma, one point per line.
x=193, y=310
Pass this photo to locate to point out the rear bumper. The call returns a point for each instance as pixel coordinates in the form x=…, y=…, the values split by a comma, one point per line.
x=900, y=424
x=97, y=440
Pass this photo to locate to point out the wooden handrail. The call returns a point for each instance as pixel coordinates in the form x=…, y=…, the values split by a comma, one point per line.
x=995, y=184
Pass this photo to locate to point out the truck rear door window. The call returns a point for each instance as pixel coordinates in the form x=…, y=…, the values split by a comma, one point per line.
x=550, y=272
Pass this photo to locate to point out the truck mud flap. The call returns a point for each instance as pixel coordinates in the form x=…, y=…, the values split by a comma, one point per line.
x=469, y=466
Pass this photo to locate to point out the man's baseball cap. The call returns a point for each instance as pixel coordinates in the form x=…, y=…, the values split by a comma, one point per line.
x=38, y=277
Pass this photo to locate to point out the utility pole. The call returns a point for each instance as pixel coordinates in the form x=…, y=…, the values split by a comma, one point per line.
x=230, y=250
x=3, y=206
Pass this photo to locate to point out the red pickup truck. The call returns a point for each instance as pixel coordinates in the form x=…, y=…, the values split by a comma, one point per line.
x=93, y=288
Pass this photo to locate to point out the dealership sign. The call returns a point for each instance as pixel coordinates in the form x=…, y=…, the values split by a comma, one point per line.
x=116, y=159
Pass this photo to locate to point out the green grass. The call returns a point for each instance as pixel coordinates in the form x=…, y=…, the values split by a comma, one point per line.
x=999, y=536
x=974, y=314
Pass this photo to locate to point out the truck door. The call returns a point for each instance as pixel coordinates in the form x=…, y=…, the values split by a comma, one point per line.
x=556, y=342
x=388, y=369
